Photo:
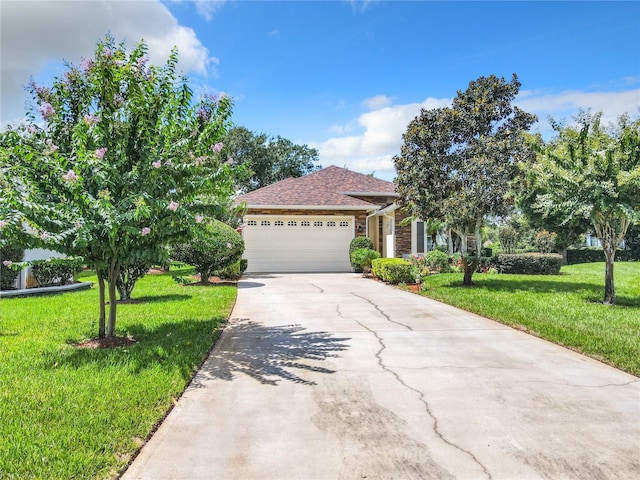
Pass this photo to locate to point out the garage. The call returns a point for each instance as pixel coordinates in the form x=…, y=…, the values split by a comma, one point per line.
x=297, y=243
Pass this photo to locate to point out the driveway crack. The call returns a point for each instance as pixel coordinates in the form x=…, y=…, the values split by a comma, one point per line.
x=381, y=311
x=319, y=288
x=421, y=397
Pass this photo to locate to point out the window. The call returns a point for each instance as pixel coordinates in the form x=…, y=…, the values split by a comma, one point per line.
x=331, y=224
x=252, y=223
x=279, y=223
x=305, y=224
x=317, y=224
x=419, y=237
x=265, y=223
x=344, y=224
x=292, y=223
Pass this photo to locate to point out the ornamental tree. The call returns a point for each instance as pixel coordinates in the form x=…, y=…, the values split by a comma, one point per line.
x=113, y=164
x=593, y=172
x=457, y=163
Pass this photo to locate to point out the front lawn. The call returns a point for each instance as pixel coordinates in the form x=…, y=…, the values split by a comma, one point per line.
x=565, y=309
x=67, y=412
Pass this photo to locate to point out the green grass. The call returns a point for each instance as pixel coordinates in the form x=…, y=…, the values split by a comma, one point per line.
x=67, y=412
x=566, y=309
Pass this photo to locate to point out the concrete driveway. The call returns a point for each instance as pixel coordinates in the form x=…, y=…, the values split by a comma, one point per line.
x=332, y=376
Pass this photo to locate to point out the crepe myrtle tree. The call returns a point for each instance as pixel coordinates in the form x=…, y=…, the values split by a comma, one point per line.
x=113, y=164
x=457, y=163
x=592, y=172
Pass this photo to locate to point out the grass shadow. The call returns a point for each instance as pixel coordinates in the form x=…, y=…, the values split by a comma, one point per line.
x=157, y=298
x=526, y=284
x=174, y=345
x=270, y=354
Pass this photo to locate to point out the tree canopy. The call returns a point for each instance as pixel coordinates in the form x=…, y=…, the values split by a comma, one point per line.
x=592, y=172
x=266, y=159
x=116, y=165
x=457, y=163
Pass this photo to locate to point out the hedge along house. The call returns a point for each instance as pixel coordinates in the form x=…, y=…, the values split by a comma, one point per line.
x=305, y=224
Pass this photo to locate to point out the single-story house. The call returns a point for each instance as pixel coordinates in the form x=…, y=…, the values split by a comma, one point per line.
x=305, y=224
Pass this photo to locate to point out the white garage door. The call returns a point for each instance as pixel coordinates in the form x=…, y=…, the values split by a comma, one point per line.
x=297, y=243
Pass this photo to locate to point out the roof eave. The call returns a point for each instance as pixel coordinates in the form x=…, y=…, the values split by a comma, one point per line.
x=367, y=208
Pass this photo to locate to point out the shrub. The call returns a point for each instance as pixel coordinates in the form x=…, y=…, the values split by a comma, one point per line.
x=509, y=237
x=9, y=253
x=545, y=241
x=358, y=243
x=596, y=254
x=244, y=263
x=213, y=248
x=437, y=261
x=530, y=263
x=55, y=271
x=392, y=270
x=362, y=257
x=128, y=276
x=235, y=270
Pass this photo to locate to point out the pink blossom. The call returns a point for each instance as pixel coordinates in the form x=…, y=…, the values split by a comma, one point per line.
x=199, y=161
x=141, y=62
x=228, y=244
x=31, y=129
x=52, y=147
x=86, y=64
x=199, y=218
x=217, y=147
x=90, y=119
x=107, y=53
x=7, y=263
x=156, y=164
x=3, y=224
x=202, y=114
x=46, y=110
x=173, y=206
x=229, y=161
x=100, y=153
x=44, y=236
x=70, y=176
x=145, y=231
x=41, y=91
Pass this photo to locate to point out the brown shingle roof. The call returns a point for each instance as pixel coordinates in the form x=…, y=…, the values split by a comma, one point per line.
x=326, y=187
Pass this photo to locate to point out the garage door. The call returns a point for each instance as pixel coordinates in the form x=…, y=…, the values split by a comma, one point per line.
x=299, y=243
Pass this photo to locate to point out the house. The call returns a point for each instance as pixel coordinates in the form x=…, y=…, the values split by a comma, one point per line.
x=305, y=224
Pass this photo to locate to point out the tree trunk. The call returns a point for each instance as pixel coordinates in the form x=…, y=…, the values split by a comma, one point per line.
x=101, y=319
x=609, y=289
x=450, y=242
x=478, y=236
x=563, y=252
x=113, y=276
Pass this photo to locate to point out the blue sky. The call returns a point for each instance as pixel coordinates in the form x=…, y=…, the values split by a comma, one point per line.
x=346, y=77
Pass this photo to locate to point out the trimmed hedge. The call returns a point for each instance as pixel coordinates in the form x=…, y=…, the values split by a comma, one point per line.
x=392, y=270
x=55, y=271
x=529, y=263
x=596, y=254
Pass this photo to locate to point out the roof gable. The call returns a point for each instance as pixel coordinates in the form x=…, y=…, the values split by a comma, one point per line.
x=330, y=186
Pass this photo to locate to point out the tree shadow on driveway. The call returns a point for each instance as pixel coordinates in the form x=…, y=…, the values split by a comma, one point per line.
x=270, y=354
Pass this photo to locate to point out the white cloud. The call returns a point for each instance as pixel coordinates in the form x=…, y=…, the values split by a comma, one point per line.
x=39, y=34
x=373, y=150
x=377, y=102
x=565, y=104
x=207, y=8
x=382, y=129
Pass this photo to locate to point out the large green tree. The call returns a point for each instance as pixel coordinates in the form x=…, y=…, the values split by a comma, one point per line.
x=593, y=172
x=261, y=160
x=116, y=165
x=457, y=163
